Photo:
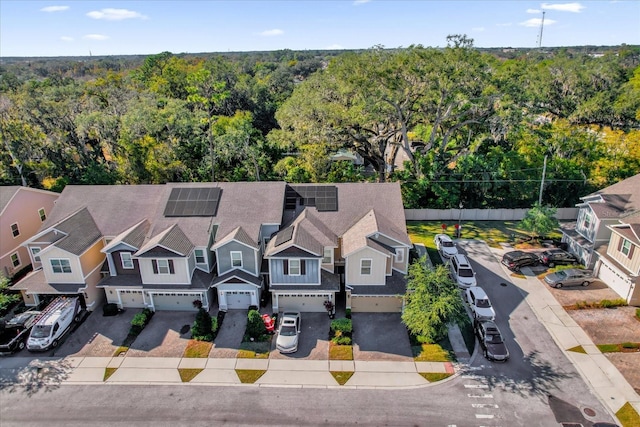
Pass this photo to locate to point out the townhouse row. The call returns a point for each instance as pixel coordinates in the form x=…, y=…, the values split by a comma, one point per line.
x=228, y=245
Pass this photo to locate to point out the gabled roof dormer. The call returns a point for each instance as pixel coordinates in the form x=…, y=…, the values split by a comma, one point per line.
x=172, y=239
x=132, y=238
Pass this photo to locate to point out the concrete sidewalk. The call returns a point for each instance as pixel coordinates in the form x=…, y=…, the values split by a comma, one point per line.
x=221, y=371
x=601, y=375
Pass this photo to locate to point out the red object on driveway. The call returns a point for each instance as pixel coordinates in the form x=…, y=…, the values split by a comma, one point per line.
x=269, y=323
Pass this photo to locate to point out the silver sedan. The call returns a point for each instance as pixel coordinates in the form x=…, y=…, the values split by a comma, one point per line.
x=569, y=277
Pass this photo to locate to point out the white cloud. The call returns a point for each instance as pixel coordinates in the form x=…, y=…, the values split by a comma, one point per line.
x=66, y=39
x=477, y=29
x=536, y=22
x=359, y=2
x=334, y=46
x=564, y=7
x=533, y=11
x=115, y=14
x=54, y=8
x=271, y=33
x=95, y=37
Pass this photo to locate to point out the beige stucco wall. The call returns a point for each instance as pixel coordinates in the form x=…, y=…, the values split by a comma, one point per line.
x=76, y=275
x=92, y=258
x=94, y=297
x=632, y=264
x=401, y=266
x=23, y=210
x=378, y=268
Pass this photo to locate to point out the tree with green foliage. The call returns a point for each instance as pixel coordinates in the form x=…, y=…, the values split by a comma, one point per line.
x=202, y=326
x=255, y=325
x=432, y=302
x=539, y=221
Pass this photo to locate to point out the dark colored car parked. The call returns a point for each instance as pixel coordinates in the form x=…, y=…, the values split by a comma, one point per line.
x=515, y=260
x=14, y=334
x=554, y=257
x=490, y=338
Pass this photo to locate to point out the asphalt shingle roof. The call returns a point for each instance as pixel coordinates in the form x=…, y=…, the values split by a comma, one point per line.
x=81, y=232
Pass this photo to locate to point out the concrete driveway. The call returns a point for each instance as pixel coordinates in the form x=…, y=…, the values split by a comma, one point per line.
x=380, y=336
x=314, y=339
x=230, y=335
x=97, y=336
x=166, y=335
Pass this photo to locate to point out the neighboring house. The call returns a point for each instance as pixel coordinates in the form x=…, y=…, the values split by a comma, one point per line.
x=596, y=212
x=150, y=245
x=619, y=261
x=340, y=238
x=349, y=156
x=22, y=212
x=606, y=233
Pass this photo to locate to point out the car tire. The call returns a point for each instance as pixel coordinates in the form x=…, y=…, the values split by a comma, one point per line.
x=485, y=354
x=586, y=283
x=21, y=345
x=54, y=344
x=551, y=265
x=558, y=285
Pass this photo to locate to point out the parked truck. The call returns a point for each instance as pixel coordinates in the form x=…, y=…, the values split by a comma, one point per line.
x=14, y=333
x=53, y=323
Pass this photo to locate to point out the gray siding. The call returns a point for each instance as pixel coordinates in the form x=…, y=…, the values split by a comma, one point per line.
x=276, y=269
x=248, y=258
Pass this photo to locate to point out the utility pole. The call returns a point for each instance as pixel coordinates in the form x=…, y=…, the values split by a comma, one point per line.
x=544, y=171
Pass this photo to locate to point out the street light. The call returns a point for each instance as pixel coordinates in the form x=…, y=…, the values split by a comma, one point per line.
x=460, y=221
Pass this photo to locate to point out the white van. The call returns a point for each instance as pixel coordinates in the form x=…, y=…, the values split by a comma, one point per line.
x=53, y=323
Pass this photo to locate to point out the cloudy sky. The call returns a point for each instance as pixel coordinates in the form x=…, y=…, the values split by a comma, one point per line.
x=70, y=28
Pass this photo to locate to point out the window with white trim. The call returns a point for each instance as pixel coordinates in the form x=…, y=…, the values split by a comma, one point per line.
x=15, y=260
x=399, y=255
x=200, y=259
x=365, y=267
x=163, y=266
x=60, y=265
x=626, y=247
x=34, y=254
x=236, y=259
x=327, y=257
x=127, y=261
x=294, y=267
x=15, y=230
x=586, y=221
x=42, y=214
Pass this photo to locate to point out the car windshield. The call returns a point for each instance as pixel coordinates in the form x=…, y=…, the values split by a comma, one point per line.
x=40, y=331
x=483, y=303
x=494, y=338
x=447, y=244
x=561, y=274
x=288, y=331
x=465, y=272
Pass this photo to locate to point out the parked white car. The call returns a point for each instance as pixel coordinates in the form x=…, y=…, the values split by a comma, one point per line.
x=445, y=245
x=479, y=303
x=461, y=271
x=288, y=332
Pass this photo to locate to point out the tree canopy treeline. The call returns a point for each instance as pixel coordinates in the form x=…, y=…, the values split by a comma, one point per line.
x=454, y=125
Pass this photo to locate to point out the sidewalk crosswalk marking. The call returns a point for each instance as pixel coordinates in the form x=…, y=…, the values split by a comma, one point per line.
x=487, y=416
x=481, y=396
x=484, y=405
x=476, y=386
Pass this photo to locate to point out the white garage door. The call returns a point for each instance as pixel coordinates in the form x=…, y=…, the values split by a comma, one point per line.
x=175, y=301
x=238, y=299
x=131, y=298
x=614, y=280
x=302, y=302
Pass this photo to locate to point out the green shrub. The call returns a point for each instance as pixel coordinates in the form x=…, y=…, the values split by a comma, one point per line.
x=630, y=345
x=255, y=325
x=638, y=313
x=341, y=340
x=139, y=320
x=214, y=324
x=201, y=329
x=348, y=313
x=343, y=325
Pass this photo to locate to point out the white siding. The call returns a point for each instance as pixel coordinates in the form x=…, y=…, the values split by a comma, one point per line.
x=378, y=268
x=76, y=275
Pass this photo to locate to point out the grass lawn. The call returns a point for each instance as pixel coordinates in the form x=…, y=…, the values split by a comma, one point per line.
x=433, y=377
x=249, y=376
x=108, y=372
x=197, y=349
x=341, y=377
x=627, y=347
x=340, y=352
x=432, y=353
x=577, y=349
x=628, y=416
x=187, y=374
x=254, y=350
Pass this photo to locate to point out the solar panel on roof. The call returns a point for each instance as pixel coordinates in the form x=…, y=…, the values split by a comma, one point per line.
x=193, y=201
x=284, y=236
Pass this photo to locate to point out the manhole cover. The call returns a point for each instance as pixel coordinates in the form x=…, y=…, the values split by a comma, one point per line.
x=590, y=412
x=503, y=284
x=185, y=329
